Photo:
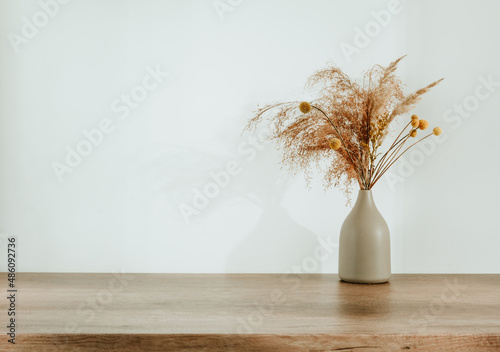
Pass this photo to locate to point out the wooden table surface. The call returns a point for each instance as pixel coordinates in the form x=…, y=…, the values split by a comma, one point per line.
x=253, y=312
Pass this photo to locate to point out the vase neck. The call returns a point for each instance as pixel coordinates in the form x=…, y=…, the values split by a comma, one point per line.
x=365, y=198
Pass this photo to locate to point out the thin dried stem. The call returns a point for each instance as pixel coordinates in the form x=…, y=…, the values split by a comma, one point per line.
x=430, y=134
x=393, y=152
x=397, y=140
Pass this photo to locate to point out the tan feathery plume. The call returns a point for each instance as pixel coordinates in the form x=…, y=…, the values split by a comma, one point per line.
x=382, y=92
x=411, y=100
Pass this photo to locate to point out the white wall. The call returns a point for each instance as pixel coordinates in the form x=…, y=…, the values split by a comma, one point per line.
x=119, y=208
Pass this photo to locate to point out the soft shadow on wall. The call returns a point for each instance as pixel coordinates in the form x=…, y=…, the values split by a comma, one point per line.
x=265, y=238
x=277, y=243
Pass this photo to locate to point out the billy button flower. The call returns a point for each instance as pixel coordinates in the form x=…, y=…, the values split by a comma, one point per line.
x=413, y=133
x=437, y=131
x=414, y=117
x=305, y=107
x=415, y=122
x=335, y=144
x=423, y=124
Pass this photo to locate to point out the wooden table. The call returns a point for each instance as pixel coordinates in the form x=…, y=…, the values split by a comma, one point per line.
x=253, y=312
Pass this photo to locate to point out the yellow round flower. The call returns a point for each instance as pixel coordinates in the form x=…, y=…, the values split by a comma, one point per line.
x=305, y=107
x=414, y=117
x=437, y=131
x=413, y=133
x=335, y=144
x=415, y=122
x=423, y=124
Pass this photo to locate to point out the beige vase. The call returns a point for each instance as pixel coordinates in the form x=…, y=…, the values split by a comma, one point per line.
x=364, y=244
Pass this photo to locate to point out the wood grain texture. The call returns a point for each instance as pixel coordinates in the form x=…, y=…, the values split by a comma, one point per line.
x=255, y=312
x=258, y=343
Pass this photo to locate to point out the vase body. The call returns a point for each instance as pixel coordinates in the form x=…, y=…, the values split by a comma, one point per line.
x=364, y=244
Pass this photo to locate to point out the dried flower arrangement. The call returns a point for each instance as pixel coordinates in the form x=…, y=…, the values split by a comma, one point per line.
x=340, y=132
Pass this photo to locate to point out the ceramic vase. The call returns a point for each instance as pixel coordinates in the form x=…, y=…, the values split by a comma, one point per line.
x=364, y=244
